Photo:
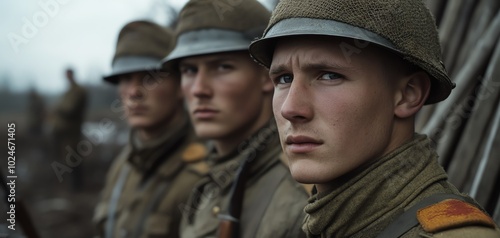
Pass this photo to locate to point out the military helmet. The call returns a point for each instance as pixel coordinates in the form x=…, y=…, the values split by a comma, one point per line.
x=141, y=46
x=209, y=26
x=405, y=27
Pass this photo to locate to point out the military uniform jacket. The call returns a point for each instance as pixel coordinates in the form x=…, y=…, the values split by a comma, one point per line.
x=147, y=184
x=364, y=202
x=70, y=110
x=272, y=204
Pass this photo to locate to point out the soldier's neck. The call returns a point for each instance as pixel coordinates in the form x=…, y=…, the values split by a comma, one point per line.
x=155, y=132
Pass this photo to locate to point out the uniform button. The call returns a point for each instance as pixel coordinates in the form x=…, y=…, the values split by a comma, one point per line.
x=215, y=211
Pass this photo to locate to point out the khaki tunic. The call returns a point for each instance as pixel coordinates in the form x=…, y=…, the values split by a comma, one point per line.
x=366, y=200
x=282, y=206
x=70, y=110
x=156, y=180
x=68, y=118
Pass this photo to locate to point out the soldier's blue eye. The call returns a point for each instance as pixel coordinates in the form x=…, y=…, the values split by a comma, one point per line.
x=188, y=70
x=285, y=79
x=225, y=67
x=331, y=76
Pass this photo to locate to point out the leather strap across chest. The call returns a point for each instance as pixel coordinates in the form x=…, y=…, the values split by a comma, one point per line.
x=260, y=206
x=113, y=202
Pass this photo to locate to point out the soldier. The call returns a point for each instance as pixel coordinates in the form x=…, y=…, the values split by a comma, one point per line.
x=349, y=78
x=248, y=192
x=68, y=117
x=158, y=168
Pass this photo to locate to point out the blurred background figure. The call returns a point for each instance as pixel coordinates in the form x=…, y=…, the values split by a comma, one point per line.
x=36, y=113
x=67, y=121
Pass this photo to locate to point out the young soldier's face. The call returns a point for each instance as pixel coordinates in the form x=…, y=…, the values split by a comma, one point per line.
x=225, y=94
x=334, y=107
x=149, y=101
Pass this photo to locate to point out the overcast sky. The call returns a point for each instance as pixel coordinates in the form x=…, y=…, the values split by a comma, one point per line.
x=40, y=38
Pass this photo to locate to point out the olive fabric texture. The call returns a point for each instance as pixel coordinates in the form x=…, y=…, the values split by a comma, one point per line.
x=408, y=25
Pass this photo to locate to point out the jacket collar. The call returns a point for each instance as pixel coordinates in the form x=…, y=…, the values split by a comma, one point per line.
x=376, y=190
x=262, y=149
x=147, y=156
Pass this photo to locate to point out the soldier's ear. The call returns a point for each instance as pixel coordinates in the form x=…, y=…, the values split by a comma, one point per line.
x=180, y=92
x=412, y=92
x=267, y=83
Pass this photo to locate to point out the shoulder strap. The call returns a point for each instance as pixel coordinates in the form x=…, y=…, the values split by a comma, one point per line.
x=408, y=219
x=153, y=204
x=452, y=213
x=113, y=203
x=259, y=207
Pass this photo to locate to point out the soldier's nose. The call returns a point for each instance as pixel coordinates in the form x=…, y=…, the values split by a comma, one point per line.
x=296, y=107
x=135, y=92
x=200, y=86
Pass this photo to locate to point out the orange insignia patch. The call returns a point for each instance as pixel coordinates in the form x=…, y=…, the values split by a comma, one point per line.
x=200, y=167
x=452, y=213
x=194, y=152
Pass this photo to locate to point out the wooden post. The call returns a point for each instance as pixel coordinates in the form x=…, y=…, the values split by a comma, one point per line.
x=480, y=20
x=466, y=78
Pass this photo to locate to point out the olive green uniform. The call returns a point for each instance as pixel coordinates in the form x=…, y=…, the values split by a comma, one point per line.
x=269, y=209
x=68, y=118
x=366, y=200
x=148, y=183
